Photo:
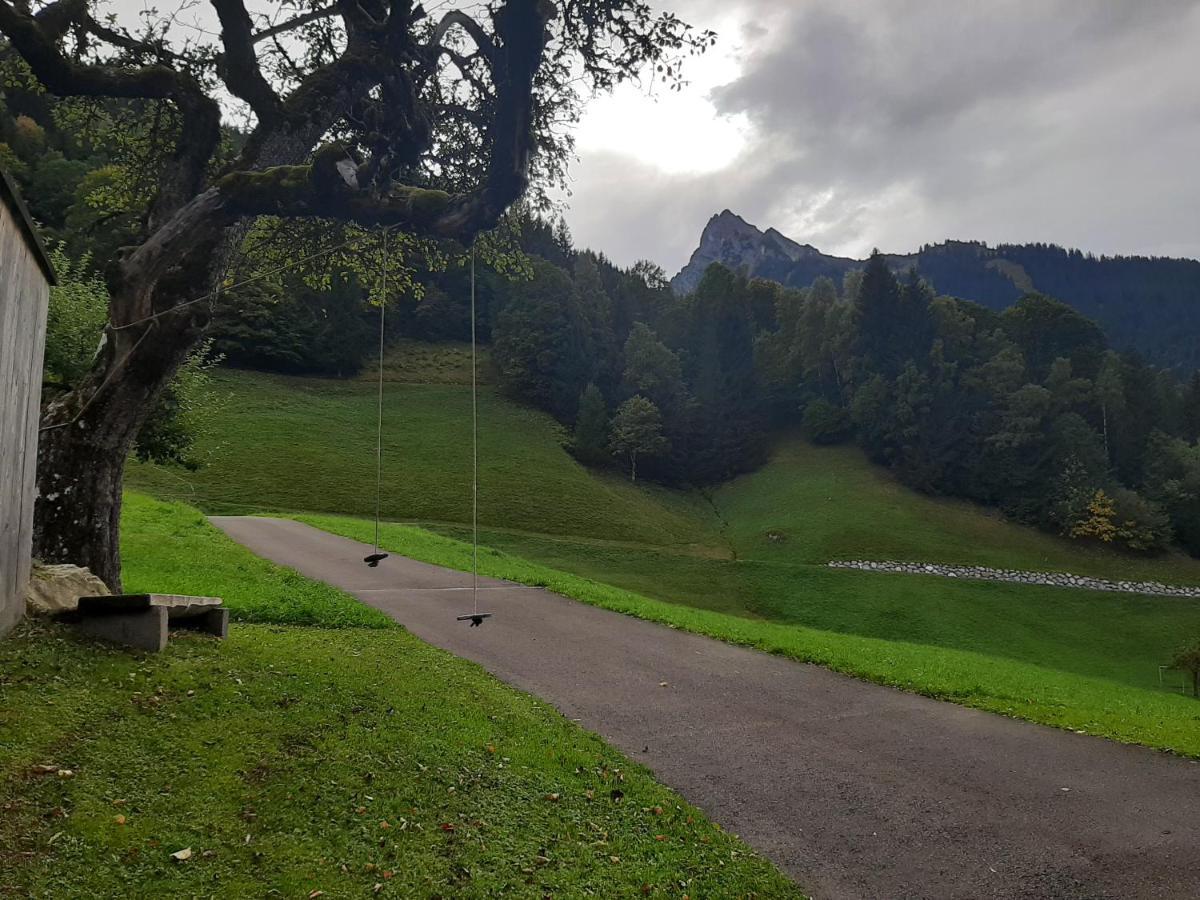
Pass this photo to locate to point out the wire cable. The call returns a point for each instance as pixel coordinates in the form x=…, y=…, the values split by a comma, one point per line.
x=474, y=451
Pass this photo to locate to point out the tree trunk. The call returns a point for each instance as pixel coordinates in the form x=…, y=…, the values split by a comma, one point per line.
x=1104, y=414
x=633, y=467
x=88, y=434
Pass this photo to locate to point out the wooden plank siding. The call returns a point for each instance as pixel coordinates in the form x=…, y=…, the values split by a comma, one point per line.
x=24, y=295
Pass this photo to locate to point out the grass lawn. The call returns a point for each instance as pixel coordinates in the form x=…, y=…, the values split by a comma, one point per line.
x=294, y=759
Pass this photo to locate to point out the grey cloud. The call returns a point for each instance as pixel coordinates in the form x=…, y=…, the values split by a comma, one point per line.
x=895, y=122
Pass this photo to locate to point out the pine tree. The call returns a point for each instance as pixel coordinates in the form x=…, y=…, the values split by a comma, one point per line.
x=590, y=442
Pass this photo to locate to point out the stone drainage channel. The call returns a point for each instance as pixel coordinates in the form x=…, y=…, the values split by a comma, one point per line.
x=1017, y=576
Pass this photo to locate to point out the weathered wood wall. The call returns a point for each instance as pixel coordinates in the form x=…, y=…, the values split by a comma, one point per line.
x=24, y=293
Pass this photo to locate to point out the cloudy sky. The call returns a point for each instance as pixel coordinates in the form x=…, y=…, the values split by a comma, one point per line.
x=892, y=123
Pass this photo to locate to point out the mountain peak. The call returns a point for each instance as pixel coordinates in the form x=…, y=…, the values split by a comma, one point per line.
x=732, y=241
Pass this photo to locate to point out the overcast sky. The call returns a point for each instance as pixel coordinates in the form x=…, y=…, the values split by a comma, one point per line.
x=892, y=123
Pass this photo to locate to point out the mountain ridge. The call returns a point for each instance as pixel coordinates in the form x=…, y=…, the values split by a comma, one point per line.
x=1146, y=304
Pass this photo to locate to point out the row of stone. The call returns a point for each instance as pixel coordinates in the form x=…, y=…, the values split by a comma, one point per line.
x=1018, y=576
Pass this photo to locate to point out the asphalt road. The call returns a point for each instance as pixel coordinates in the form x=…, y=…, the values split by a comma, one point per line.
x=855, y=790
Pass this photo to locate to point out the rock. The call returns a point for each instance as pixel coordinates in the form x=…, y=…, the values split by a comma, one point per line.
x=1054, y=579
x=55, y=589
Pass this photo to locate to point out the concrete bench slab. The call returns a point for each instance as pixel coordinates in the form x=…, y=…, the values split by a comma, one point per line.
x=143, y=620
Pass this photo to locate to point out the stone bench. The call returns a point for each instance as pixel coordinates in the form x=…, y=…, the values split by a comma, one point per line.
x=143, y=620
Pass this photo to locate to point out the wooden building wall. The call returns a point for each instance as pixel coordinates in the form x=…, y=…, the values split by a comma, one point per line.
x=24, y=294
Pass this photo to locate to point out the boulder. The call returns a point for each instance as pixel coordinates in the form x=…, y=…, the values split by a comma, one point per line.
x=55, y=589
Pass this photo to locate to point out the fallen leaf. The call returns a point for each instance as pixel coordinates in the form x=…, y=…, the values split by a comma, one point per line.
x=65, y=773
x=315, y=894
x=44, y=769
x=182, y=855
x=662, y=684
x=120, y=820
x=614, y=859
x=385, y=824
x=118, y=803
x=447, y=826
x=553, y=798
x=657, y=810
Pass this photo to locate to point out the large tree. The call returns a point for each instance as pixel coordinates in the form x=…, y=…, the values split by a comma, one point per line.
x=363, y=111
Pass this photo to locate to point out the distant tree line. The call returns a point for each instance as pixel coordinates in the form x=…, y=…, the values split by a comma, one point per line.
x=1151, y=304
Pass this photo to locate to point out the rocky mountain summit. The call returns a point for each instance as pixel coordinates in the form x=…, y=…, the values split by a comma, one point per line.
x=732, y=241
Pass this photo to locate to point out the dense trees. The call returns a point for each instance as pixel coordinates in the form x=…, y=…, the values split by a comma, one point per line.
x=1026, y=409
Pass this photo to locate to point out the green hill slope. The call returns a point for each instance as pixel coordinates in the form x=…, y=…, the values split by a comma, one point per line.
x=307, y=444
x=291, y=444
x=823, y=503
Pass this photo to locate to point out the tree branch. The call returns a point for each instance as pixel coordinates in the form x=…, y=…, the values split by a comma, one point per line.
x=55, y=19
x=470, y=26
x=327, y=189
x=298, y=22
x=238, y=65
x=184, y=174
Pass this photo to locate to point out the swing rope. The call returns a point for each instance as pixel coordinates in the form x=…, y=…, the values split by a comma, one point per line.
x=474, y=452
x=476, y=617
x=379, y=394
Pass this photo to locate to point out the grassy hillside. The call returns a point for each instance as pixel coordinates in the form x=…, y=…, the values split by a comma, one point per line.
x=416, y=362
x=831, y=503
x=293, y=763
x=309, y=444
x=295, y=444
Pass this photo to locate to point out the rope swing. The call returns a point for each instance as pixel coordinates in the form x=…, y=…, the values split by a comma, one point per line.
x=475, y=617
x=376, y=557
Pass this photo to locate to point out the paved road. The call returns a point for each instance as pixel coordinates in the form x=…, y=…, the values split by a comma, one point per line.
x=854, y=789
